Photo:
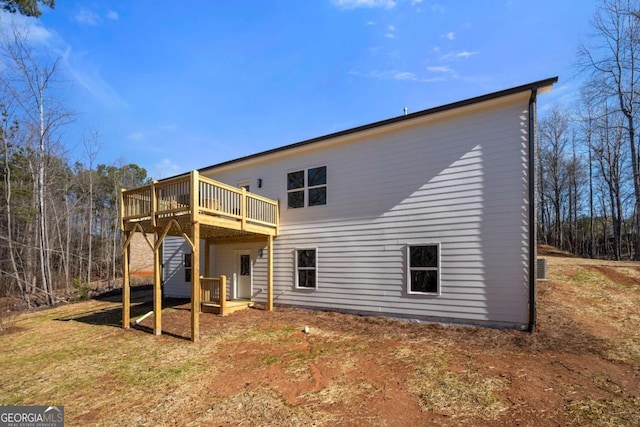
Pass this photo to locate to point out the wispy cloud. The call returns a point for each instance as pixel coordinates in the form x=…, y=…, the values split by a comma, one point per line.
x=33, y=32
x=92, y=18
x=405, y=75
x=87, y=17
x=397, y=75
x=166, y=168
x=450, y=35
x=437, y=7
x=440, y=69
x=168, y=127
x=88, y=76
x=416, y=4
x=460, y=54
x=353, y=4
x=77, y=69
x=465, y=54
x=391, y=32
x=136, y=136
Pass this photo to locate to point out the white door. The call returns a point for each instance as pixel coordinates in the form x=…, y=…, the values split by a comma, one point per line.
x=244, y=275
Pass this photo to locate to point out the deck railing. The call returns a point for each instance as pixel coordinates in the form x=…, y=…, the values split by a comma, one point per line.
x=173, y=197
x=214, y=290
x=210, y=289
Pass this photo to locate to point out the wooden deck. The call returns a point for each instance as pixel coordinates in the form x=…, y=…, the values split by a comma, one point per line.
x=221, y=210
x=195, y=208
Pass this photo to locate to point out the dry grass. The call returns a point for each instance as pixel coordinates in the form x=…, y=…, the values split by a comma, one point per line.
x=463, y=396
x=582, y=366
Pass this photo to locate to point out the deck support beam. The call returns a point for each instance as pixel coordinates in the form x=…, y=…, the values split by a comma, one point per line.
x=157, y=286
x=195, y=259
x=126, y=286
x=270, y=273
x=223, y=295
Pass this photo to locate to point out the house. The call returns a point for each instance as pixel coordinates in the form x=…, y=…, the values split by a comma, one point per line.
x=427, y=216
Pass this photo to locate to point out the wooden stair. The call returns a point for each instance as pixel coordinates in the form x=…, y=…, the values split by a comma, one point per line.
x=230, y=307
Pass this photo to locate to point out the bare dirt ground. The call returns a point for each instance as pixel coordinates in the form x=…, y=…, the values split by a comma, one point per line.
x=257, y=368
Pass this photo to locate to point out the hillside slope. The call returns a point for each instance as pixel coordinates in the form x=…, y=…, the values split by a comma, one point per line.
x=581, y=366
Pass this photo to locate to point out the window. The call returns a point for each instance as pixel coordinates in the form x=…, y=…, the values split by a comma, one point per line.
x=187, y=267
x=306, y=268
x=309, y=185
x=245, y=265
x=424, y=269
x=295, y=189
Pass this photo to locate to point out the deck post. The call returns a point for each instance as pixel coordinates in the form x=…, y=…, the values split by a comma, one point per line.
x=207, y=261
x=223, y=295
x=195, y=257
x=126, y=288
x=270, y=273
x=243, y=207
x=157, y=287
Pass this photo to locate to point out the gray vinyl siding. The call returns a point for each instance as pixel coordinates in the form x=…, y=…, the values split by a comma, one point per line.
x=173, y=275
x=173, y=250
x=458, y=179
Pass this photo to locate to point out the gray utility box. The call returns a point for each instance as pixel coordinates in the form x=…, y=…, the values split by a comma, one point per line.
x=541, y=269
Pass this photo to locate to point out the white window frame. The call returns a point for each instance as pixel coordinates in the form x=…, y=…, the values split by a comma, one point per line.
x=410, y=269
x=306, y=187
x=297, y=268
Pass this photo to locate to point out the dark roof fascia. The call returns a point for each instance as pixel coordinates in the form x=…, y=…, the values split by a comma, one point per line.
x=459, y=104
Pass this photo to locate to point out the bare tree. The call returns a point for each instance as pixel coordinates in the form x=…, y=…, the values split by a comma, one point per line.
x=30, y=82
x=609, y=154
x=91, y=150
x=612, y=60
x=7, y=131
x=554, y=169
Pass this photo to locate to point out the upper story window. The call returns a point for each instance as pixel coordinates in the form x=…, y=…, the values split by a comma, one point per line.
x=307, y=187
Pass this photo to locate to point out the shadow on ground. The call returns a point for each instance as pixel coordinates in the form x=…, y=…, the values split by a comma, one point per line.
x=141, y=304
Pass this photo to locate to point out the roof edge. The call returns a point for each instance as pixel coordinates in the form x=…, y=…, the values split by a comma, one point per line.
x=546, y=83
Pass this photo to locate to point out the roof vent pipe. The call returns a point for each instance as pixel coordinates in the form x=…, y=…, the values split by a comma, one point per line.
x=406, y=111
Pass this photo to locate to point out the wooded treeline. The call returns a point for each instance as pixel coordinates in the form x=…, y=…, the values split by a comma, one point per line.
x=589, y=152
x=59, y=217
x=59, y=227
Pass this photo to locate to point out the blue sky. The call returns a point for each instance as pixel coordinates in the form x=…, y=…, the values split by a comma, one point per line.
x=174, y=86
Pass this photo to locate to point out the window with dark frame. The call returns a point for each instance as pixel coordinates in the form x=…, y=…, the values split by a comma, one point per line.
x=317, y=183
x=306, y=270
x=295, y=189
x=424, y=268
x=309, y=186
x=187, y=267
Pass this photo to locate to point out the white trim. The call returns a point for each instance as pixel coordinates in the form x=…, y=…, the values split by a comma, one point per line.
x=295, y=269
x=438, y=269
x=244, y=183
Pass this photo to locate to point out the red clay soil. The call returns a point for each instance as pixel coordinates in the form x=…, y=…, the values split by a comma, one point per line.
x=549, y=377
